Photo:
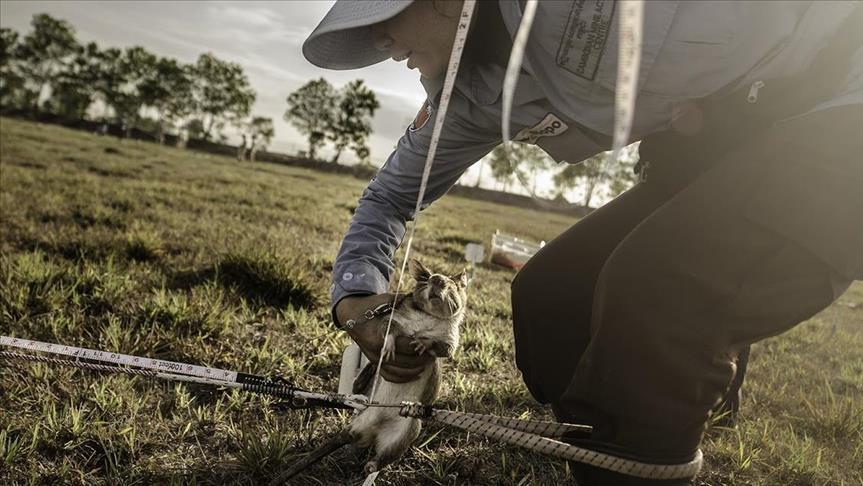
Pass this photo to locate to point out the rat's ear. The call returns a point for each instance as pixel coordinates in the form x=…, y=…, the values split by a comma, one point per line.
x=461, y=279
x=418, y=271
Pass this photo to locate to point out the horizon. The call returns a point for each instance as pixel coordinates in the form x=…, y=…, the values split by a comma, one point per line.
x=265, y=38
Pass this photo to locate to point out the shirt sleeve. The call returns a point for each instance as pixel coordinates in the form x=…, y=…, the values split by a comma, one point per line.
x=365, y=260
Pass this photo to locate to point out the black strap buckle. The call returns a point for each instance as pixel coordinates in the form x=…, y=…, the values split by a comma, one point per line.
x=378, y=311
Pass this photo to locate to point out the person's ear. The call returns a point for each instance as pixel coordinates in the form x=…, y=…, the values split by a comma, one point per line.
x=418, y=271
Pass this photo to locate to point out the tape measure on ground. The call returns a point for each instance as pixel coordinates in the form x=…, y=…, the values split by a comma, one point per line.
x=172, y=370
x=125, y=359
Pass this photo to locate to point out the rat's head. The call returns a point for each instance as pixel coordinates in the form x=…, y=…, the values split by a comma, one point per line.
x=438, y=294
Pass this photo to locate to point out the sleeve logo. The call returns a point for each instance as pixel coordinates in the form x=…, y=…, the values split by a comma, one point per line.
x=422, y=117
x=548, y=127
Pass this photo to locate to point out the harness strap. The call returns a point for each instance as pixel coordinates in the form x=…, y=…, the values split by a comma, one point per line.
x=373, y=313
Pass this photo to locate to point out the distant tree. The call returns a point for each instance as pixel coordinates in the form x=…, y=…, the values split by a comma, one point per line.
x=588, y=174
x=525, y=162
x=534, y=160
x=8, y=43
x=351, y=121
x=222, y=92
x=195, y=128
x=75, y=88
x=121, y=77
x=11, y=81
x=44, y=53
x=168, y=90
x=622, y=175
x=503, y=169
x=311, y=110
x=262, y=133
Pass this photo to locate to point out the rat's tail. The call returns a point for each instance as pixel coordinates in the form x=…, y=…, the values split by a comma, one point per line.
x=335, y=443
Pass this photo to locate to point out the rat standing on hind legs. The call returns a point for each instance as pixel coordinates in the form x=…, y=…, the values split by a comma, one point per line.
x=430, y=317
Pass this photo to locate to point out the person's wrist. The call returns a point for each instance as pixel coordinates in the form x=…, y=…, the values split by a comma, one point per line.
x=344, y=313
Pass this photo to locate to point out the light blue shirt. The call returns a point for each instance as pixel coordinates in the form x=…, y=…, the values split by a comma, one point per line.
x=564, y=101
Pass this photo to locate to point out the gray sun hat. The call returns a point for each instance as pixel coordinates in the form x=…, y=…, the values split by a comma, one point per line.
x=343, y=39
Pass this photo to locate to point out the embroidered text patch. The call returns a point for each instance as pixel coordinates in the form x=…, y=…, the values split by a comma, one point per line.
x=583, y=41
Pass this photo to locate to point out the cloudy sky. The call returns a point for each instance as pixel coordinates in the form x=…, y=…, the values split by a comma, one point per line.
x=263, y=37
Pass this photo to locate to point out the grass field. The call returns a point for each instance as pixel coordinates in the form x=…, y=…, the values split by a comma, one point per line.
x=149, y=250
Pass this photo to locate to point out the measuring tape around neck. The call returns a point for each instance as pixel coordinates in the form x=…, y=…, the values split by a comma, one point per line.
x=628, y=66
x=631, y=19
x=462, y=29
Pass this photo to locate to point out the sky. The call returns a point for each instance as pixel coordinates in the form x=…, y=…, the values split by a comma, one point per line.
x=263, y=37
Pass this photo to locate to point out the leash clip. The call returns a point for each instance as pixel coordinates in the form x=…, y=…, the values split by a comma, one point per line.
x=752, y=97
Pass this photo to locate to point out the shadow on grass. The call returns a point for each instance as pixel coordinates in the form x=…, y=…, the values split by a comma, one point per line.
x=260, y=279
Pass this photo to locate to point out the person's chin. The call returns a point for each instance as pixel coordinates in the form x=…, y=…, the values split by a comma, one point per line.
x=427, y=72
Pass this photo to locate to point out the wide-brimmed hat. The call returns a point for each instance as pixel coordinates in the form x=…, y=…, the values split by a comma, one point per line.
x=343, y=39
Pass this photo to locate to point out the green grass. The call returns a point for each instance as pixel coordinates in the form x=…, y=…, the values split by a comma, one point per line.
x=149, y=250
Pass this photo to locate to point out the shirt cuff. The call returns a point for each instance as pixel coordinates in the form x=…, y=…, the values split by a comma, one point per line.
x=357, y=278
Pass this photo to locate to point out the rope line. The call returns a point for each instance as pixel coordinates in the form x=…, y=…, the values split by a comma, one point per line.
x=535, y=435
x=550, y=447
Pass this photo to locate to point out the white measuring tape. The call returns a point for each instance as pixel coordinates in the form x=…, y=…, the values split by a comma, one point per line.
x=631, y=22
x=172, y=370
x=628, y=66
x=123, y=359
x=446, y=93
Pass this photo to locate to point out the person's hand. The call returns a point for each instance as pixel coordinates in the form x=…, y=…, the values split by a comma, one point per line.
x=406, y=365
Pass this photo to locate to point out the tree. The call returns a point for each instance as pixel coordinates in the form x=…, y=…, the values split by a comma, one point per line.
x=351, y=122
x=222, y=92
x=12, y=83
x=75, y=87
x=622, y=176
x=588, y=174
x=529, y=157
x=258, y=132
x=534, y=161
x=168, y=91
x=311, y=110
x=44, y=53
x=503, y=169
x=8, y=44
x=122, y=75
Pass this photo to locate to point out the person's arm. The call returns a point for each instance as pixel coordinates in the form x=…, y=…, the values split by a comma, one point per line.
x=364, y=263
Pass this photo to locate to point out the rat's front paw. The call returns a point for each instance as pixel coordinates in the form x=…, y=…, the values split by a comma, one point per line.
x=423, y=346
x=389, y=350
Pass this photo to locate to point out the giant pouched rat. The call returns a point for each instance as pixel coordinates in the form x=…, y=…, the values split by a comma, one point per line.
x=430, y=315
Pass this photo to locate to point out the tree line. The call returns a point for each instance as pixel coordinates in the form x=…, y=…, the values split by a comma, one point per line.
x=49, y=71
x=596, y=176
x=343, y=117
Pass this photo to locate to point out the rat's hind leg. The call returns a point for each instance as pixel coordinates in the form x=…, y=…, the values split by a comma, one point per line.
x=393, y=439
x=340, y=439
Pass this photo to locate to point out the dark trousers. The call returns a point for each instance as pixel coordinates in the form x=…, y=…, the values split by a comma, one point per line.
x=632, y=320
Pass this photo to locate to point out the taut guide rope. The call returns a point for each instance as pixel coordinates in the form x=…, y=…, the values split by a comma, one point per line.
x=535, y=435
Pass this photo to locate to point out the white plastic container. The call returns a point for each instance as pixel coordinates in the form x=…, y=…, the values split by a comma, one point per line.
x=510, y=251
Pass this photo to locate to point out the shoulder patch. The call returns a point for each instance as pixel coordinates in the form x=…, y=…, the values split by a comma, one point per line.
x=422, y=117
x=547, y=127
